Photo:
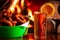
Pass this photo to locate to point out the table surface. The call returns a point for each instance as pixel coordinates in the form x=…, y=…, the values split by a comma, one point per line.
x=49, y=37
x=30, y=36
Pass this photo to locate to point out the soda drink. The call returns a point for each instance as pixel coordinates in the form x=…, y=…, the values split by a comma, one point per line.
x=39, y=26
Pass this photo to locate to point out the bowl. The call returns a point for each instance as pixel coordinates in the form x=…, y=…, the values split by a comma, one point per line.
x=14, y=31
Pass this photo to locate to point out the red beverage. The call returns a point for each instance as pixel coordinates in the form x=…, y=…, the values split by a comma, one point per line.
x=39, y=26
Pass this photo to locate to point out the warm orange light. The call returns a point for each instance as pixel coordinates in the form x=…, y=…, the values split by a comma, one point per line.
x=18, y=9
x=22, y=3
x=31, y=39
x=48, y=8
x=30, y=26
x=28, y=4
x=12, y=7
x=30, y=14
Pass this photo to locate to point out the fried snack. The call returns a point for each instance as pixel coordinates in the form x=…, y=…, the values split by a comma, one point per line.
x=11, y=19
x=20, y=18
x=6, y=22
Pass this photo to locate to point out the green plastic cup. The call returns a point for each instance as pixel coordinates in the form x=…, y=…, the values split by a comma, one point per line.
x=13, y=31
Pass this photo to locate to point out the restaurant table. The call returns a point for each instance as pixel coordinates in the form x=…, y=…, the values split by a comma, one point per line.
x=30, y=36
x=49, y=37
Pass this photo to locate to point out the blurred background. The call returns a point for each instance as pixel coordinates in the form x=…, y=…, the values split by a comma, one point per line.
x=35, y=5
